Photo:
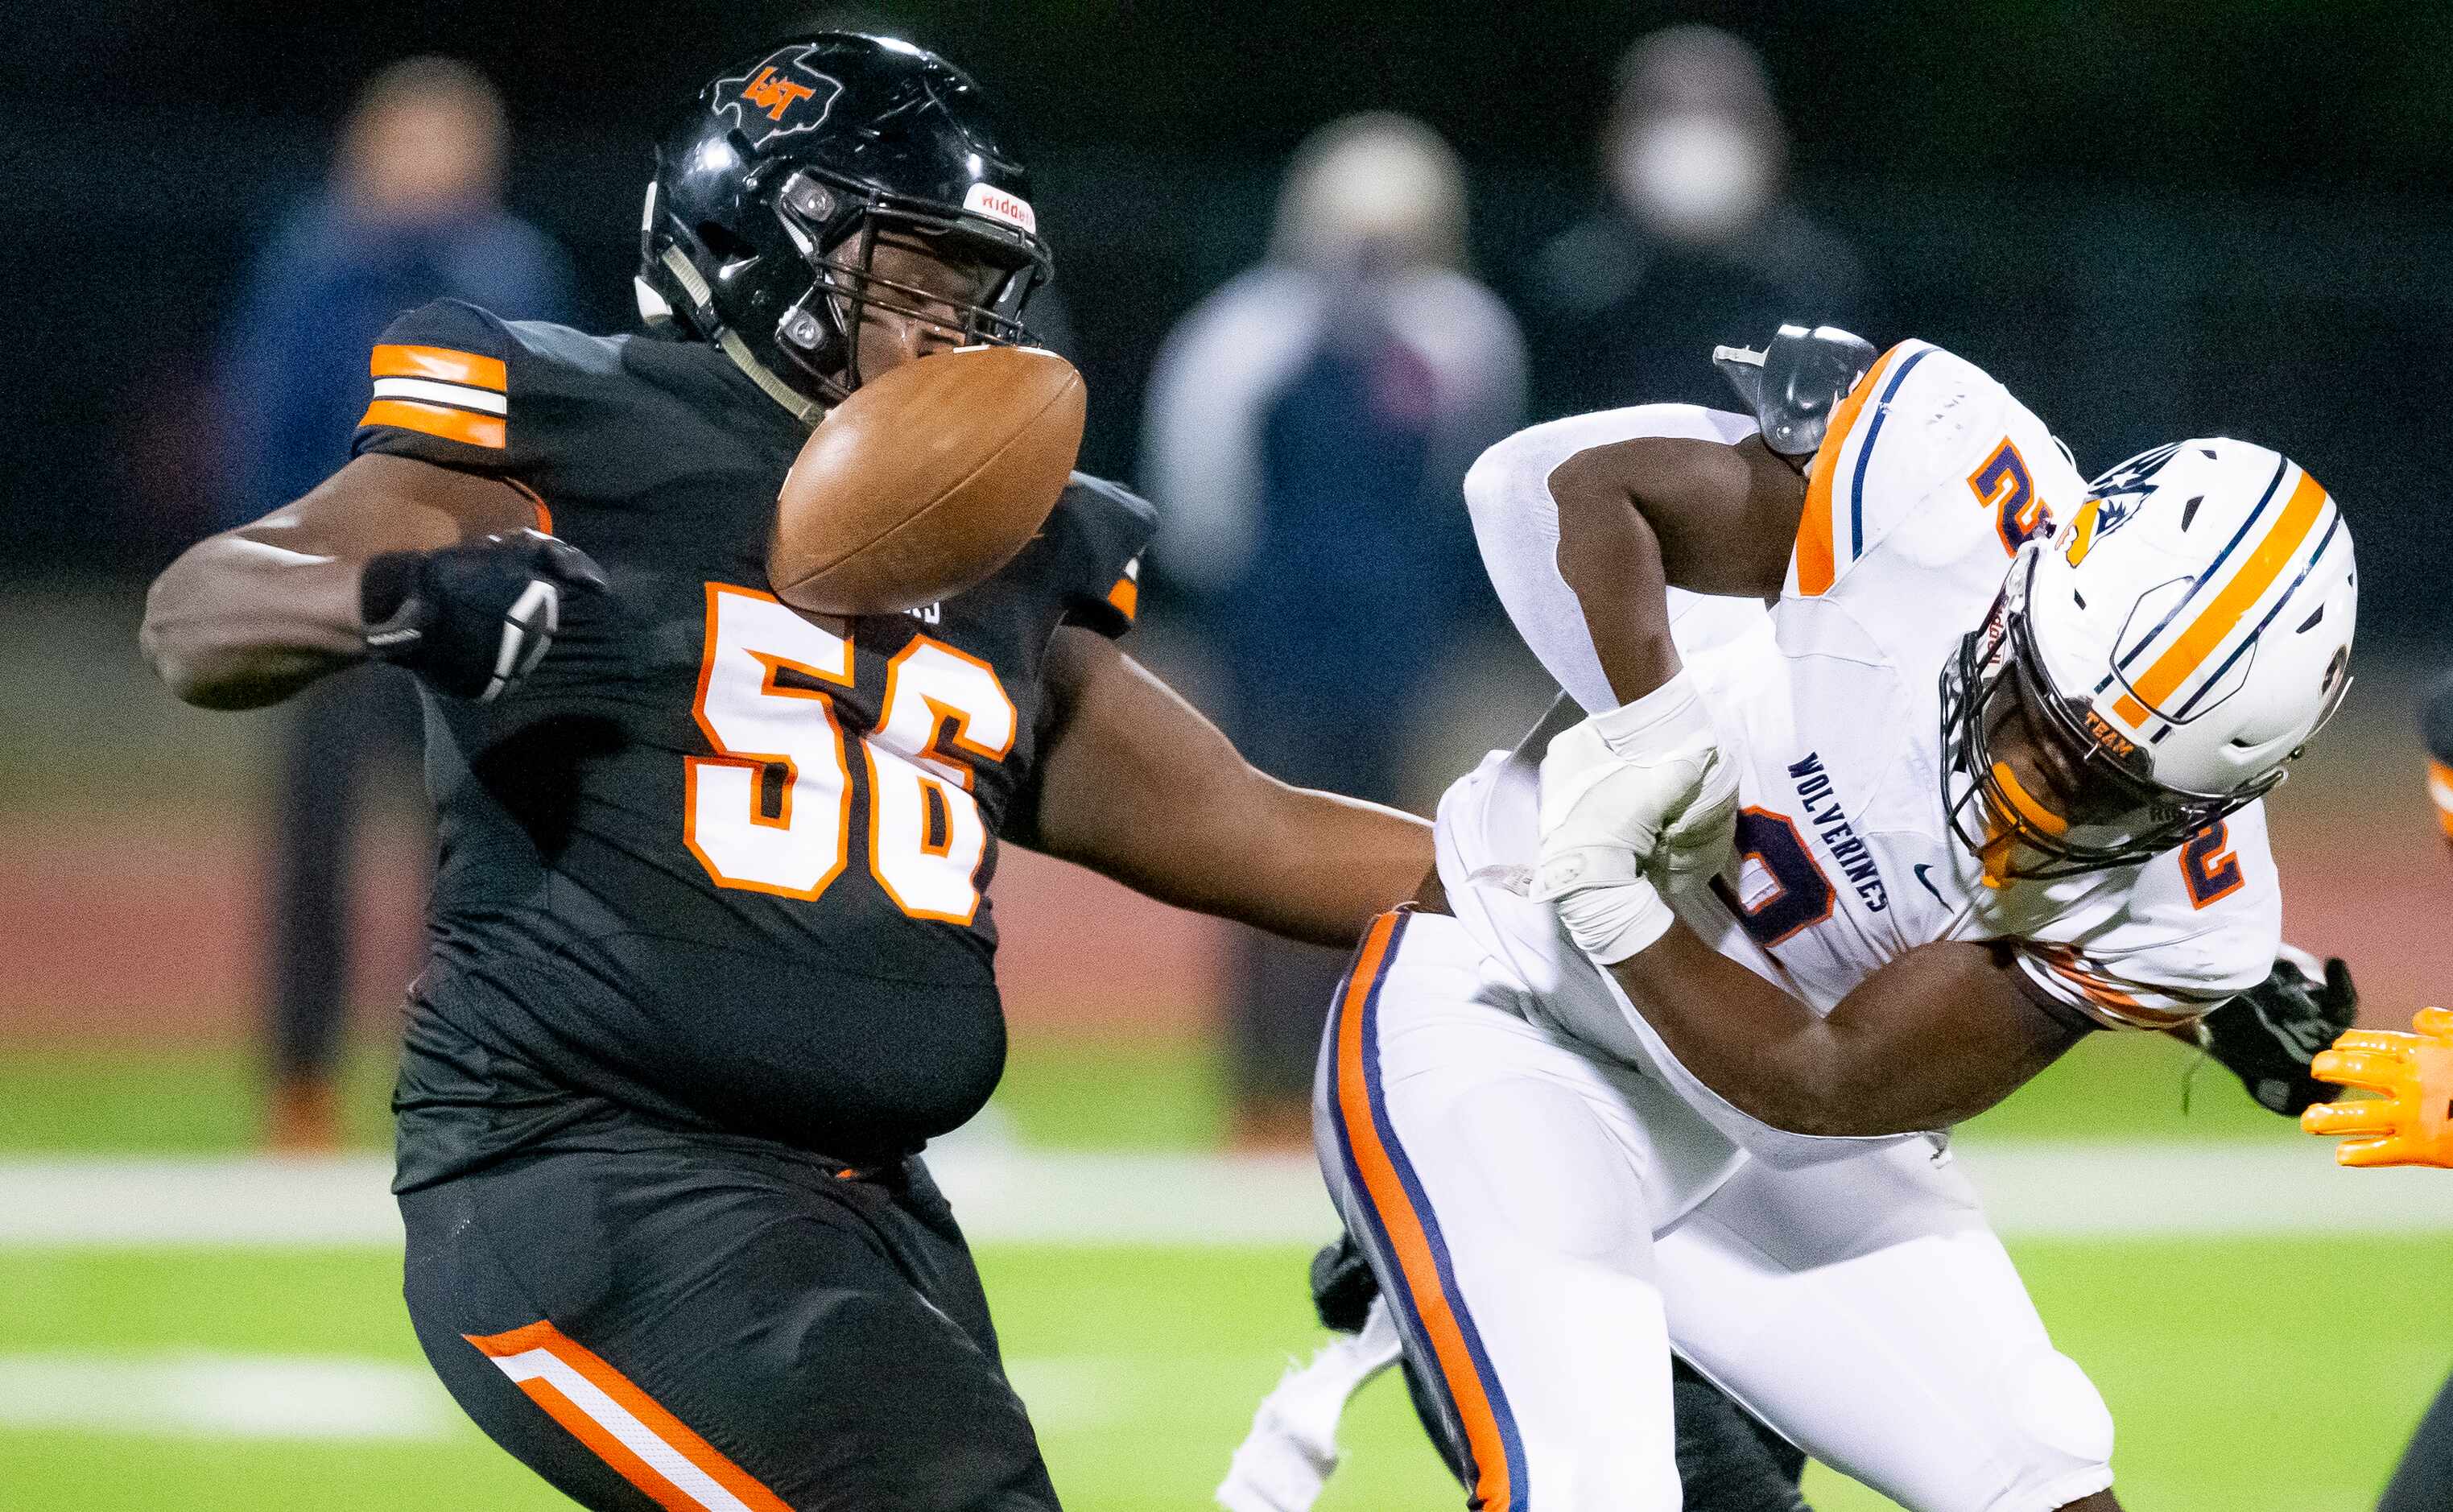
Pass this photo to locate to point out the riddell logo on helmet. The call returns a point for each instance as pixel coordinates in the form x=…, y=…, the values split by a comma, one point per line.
x=999, y=205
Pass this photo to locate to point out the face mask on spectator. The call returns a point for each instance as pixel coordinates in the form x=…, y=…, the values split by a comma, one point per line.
x=1692, y=176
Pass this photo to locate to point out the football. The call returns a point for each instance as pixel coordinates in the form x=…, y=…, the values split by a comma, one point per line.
x=926, y=481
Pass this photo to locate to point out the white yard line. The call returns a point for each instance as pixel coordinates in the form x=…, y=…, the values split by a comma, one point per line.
x=1027, y=1195
x=222, y=1396
x=2101, y=1192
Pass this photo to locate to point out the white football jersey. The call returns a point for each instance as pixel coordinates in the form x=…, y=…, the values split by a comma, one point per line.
x=1929, y=478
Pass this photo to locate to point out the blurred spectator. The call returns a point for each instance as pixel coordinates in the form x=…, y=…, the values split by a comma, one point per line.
x=1696, y=244
x=1308, y=426
x=413, y=214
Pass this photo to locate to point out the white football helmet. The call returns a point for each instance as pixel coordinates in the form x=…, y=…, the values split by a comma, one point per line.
x=2178, y=641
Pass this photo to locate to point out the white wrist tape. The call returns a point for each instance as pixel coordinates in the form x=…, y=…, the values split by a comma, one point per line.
x=1629, y=794
x=1612, y=919
x=1664, y=720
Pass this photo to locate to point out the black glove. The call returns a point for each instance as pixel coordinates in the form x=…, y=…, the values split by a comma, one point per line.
x=2268, y=1035
x=1342, y=1286
x=473, y=619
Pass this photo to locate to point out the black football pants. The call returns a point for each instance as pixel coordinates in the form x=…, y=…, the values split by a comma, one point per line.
x=679, y=1326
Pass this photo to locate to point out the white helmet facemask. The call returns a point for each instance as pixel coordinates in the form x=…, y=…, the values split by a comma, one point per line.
x=2162, y=658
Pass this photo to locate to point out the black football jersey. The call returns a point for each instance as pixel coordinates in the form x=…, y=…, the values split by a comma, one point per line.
x=715, y=861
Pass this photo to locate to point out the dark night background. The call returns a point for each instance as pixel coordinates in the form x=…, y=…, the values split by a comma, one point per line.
x=2148, y=221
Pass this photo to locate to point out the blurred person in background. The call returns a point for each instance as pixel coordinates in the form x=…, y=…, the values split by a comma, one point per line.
x=1696, y=243
x=1309, y=430
x=412, y=214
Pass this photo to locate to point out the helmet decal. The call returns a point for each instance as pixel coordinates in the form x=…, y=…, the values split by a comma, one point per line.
x=2098, y=728
x=2114, y=498
x=2129, y=482
x=2081, y=531
x=778, y=95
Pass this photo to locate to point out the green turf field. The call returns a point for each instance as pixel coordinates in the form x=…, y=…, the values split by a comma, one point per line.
x=123, y=1371
x=1142, y=1367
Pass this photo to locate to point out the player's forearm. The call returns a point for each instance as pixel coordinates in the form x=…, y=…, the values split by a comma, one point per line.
x=1286, y=860
x=253, y=615
x=239, y=622
x=1768, y=1053
x=1309, y=865
x=1322, y=866
x=1137, y=785
x=1936, y=1037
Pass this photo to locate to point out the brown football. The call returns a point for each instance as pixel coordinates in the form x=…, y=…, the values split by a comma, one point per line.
x=926, y=480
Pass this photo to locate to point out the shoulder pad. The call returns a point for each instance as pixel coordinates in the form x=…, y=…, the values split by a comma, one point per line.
x=1795, y=381
x=1112, y=503
x=455, y=385
x=1101, y=529
x=1901, y=434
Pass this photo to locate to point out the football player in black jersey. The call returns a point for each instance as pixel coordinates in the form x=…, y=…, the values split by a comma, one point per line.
x=710, y=949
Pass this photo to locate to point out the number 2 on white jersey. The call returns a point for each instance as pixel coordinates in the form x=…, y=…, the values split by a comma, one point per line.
x=925, y=835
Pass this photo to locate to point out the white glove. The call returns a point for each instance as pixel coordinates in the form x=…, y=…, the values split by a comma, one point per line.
x=1642, y=787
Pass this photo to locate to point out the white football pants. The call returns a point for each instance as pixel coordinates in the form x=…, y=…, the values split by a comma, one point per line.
x=1510, y=1190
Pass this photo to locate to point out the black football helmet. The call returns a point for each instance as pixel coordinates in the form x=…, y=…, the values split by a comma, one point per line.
x=770, y=192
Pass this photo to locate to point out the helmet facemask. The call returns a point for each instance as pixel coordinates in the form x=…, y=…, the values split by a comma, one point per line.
x=2098, y=809
x=836, y=227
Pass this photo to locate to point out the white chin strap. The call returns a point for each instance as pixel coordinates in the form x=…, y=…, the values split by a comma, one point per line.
x=808, y=411
x=658, y=314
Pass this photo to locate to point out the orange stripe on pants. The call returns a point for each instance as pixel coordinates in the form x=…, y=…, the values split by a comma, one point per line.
x=625, y=1427
x=1408, y=1240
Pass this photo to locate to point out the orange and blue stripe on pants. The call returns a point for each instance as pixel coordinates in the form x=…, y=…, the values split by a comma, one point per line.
x=1404, y=1234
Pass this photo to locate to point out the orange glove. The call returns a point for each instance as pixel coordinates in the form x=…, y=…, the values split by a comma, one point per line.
x=2410, y=1121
